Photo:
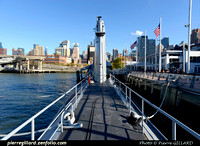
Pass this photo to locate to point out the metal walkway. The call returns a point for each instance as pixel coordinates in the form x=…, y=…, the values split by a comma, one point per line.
x=104, y=117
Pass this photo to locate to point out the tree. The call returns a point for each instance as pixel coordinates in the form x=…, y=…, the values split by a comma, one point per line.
x=117, y=63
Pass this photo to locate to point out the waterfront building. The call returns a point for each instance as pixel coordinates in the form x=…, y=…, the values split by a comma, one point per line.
x=115, y=53
x=3, y=51
x=75, y=51
x=36, y=51
x=91, y=51
x=165, y=42
x=57, y=59
x=174, y=57
x=195, y=36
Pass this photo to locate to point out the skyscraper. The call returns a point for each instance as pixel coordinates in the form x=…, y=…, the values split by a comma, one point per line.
x=141, y=45
x=36, y=51
x=115, y=53
x=150, y=47
x=195, y=36
x=75, y=51
x=63, y=49
x=46, y=51
x=90, y=56
x=165, y=42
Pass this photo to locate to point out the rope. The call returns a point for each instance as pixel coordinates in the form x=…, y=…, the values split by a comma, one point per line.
x=161, y=102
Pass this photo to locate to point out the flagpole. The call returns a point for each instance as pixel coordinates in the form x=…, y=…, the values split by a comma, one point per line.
x=189, y=33
x=136, y=57
x=160, y=48
x=145, y=45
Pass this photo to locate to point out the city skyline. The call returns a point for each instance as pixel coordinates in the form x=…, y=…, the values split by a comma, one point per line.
x=23, y=26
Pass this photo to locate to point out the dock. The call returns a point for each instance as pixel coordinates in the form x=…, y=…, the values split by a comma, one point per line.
x=104, y=117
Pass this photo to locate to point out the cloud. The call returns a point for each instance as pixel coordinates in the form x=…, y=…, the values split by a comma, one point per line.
x=74, y=44
x=137, y=33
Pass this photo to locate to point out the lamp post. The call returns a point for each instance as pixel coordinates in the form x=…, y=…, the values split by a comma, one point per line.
x=189, y=35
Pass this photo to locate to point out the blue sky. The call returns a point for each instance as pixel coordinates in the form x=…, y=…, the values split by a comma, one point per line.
x=47, y=22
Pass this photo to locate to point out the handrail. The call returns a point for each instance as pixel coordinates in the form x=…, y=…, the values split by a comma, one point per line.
x=174, y=120
x=32, y=119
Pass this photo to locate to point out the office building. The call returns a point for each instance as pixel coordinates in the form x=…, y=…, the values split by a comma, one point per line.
x=36, y=51
x=109, y=57
x=165, y=42
x=3, y=51
x=125, y=52
x=75, y=51
x=84, y=55
x=195, y=36
x=63, y=49
x=91, y=51
x=115, y=53
x=46, y=51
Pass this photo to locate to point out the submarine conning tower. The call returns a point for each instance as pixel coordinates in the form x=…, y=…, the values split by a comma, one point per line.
x=100, y=52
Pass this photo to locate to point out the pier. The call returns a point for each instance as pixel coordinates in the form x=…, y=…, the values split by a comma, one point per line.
x=184, y=87
x=104, y=117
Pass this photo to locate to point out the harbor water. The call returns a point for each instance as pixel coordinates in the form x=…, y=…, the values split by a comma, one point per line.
x=23, y=95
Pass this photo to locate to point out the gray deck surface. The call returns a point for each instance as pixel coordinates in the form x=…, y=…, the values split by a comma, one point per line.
x=103, y=116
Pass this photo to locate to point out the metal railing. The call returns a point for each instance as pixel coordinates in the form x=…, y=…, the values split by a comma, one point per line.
x=129, y=102
x=81, y=85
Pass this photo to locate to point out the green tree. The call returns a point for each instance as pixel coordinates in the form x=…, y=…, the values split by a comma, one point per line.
x=117, y=63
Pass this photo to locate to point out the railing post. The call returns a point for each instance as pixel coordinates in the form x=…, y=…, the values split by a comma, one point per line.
x=129, y=101
x=173, y=130
x=33, y=129
x=142, y=116
x=81, y=87
x=76, y=95
x=126, y=95
x=120, y=88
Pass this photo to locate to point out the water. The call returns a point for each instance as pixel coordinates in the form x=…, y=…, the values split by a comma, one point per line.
x=22, y=96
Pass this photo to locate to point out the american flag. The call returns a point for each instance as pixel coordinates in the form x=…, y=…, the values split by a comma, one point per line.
x=133, y=45
x=157, y=31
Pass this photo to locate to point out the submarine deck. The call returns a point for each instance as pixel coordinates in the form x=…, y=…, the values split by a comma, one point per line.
x=104, y=117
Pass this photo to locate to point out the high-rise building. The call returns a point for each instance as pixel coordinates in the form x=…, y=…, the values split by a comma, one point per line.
x=84, y=54
x=125, y=52
x=1, y=45
x=46, y=51
x=115, y=53
x=3, y=51
x=63, y=49
x=150, y=46
x=165, y=42
x=75, y=51
x=195, y=36
x=109, y=57
x=91, y=52
x=141, y=46
x=36, y=51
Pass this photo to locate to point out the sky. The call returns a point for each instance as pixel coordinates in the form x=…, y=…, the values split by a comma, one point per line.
x=48, y=22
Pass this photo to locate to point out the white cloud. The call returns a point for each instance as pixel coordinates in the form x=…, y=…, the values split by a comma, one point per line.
x=137, y=33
